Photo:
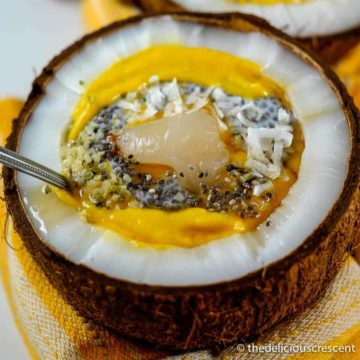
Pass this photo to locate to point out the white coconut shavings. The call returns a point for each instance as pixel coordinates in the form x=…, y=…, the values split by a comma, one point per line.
x=193, y=96
x=156, y=97
x=175, y=103
x=268, y=170
x=284, y=117
x=148, y=113
x=128, y=105
x=266, y=135
x=277, y=153
x=262, y=127
x=247, y=123
x=261, y=188
x=267, y=147
x=219, y=113
x=166, y=97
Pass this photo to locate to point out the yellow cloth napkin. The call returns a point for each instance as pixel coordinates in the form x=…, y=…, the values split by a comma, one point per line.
x=52, y=329
x=98, y=13
x=349, y=71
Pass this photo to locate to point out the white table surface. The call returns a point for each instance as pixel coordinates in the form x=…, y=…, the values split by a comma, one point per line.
x=31, y=33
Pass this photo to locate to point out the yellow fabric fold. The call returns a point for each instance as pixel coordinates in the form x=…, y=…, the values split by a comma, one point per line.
x=9, y=109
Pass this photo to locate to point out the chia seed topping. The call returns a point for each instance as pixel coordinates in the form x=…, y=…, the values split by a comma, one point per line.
x=262, y=127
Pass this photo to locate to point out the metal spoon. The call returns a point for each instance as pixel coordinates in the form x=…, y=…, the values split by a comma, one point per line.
x=15, y=161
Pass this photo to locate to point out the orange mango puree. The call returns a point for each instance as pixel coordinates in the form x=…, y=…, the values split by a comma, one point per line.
x=198, y=65
x=193, y=226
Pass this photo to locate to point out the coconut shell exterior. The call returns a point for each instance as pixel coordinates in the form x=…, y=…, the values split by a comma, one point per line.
x=331, y=48
x=188, y=318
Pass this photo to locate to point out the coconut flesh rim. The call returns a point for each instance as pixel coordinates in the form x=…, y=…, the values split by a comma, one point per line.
x=321, y=177
x=307, y=19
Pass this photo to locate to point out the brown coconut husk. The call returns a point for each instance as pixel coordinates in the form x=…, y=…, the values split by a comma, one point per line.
x=198, y=317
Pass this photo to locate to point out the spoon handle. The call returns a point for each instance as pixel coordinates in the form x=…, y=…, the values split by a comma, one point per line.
x=29, y=167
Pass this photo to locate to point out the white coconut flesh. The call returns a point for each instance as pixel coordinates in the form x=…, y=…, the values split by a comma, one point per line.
x=301, y=19
x=321, y=177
